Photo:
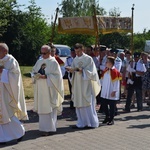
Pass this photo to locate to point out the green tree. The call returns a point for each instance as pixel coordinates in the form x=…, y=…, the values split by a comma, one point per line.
x=115, y=40
x=71, y=8
x=114, y=12
x=139, y=40
x=25, y=32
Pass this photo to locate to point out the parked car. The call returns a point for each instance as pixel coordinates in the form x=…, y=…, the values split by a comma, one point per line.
x=64, y=51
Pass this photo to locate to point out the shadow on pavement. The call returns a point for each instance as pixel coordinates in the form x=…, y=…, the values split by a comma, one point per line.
x=67, y=113
x=143, y=126
x=138, y=117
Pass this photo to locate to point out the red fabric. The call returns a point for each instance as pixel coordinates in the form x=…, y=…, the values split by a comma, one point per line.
x=61, y=63
x=124, y=83
x=92, y=54
x=115, y=74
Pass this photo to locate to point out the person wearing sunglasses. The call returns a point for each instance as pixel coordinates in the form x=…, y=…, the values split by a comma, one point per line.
x=48, y=91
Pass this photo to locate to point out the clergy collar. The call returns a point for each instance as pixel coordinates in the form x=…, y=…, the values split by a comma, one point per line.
x=80, y=57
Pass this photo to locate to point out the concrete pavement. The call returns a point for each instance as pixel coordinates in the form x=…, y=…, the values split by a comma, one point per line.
x=131, y=131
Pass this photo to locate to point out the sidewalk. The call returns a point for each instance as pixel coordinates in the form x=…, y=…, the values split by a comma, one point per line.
x=131, y=131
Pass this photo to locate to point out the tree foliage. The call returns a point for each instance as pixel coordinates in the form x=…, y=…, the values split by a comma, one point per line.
x=115, y=40
x=72, y=8
x=114, y=12
x=25, y=32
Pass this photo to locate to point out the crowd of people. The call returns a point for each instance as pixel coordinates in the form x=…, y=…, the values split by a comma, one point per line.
x=96, y=76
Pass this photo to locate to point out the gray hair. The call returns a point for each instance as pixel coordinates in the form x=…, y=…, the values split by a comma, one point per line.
x=48, y=48
x=4, y=46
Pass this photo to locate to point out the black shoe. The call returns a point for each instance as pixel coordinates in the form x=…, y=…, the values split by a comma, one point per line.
x=52, y=133
x=132, y=106
x=45, y=134
x=2, y=143
x=20, y=139
x=116, y=113
x=110, y=122
x=75, y=127
x=72, y=107
x=126, y=110
x=106, y=120
x=87, y=127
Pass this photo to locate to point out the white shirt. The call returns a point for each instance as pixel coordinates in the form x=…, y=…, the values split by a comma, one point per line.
x=108, y=86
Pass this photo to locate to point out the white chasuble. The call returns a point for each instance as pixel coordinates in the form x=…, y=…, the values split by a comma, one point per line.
x=12, y=100
x=86, y=83
x=48, y=93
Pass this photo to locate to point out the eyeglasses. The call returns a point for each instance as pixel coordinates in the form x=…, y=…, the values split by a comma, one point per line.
x=44, y=53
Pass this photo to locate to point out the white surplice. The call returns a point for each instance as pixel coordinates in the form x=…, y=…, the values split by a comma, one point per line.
x=12, y=100
x=85, y=88
x=48, y=94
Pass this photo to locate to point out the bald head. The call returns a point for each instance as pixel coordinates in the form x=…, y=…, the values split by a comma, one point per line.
x=3, y=46
x=45, y=51
x=3, y=50
x=46, y=47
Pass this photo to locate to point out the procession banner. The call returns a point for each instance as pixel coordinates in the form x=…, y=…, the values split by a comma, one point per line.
x=114, y=24
x=87, y=25
x=77, y=25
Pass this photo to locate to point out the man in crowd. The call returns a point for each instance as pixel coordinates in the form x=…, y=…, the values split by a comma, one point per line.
x=55, y=53
x=68, y=63
x=118, y=61
x=12, y=100
x=146, y=78
x=85, y=88
x=48, y=91
x=102, y=66
x=89, y=51
x=125, y=72
x=136, y=70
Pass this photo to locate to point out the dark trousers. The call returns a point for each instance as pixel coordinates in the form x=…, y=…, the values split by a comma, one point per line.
x=70, y=89
x=109, y=112
x=138, y=91
x=70, y=86
x=98, y=99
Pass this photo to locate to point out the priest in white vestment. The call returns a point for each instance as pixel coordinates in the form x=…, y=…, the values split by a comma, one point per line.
x=12, y=100
x=85, y=88
x=48, y=91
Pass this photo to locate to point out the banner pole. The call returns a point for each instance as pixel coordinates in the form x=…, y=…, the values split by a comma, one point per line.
x=132, y=45
x=97, y=42
x=53, y=26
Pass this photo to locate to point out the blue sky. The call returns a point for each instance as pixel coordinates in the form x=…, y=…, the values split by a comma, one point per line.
x=141, y=10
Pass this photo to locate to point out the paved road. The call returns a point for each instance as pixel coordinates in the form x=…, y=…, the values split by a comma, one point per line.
x=130, y=132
